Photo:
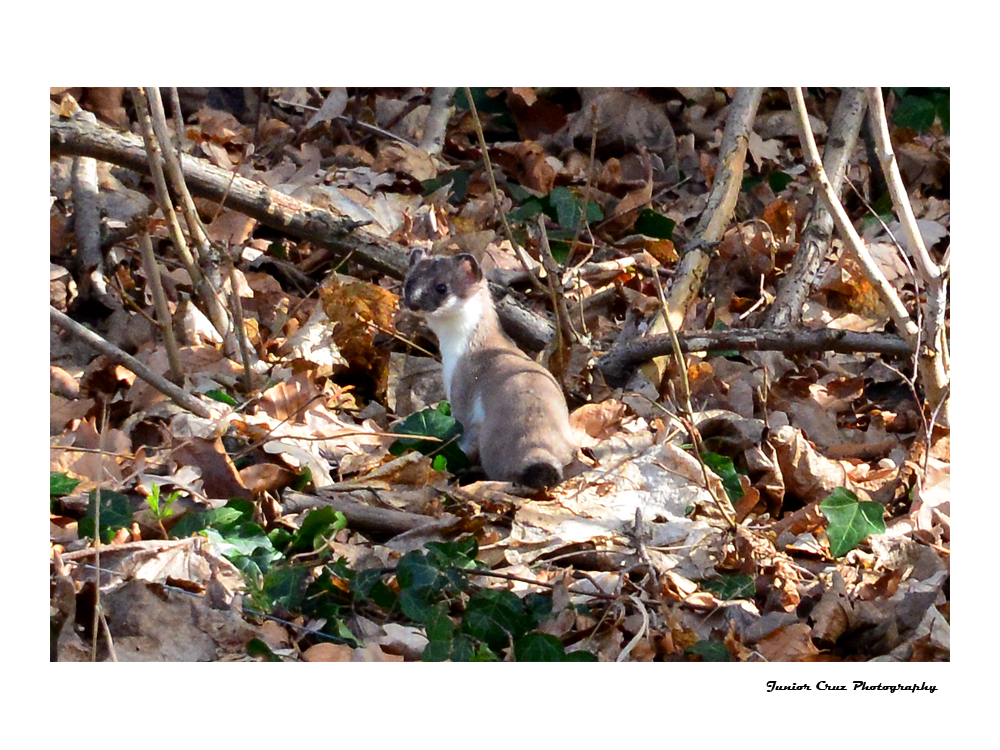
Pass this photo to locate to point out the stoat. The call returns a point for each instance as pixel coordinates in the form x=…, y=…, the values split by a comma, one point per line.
x=512, y=410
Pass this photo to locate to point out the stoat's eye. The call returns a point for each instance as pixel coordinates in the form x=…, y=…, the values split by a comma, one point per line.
x=441, y=289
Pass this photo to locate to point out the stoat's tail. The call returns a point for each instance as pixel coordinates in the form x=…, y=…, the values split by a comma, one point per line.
x=540, y=470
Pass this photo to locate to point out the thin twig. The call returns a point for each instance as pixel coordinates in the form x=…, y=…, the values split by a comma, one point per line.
x=687, y=410
x=172, y=165
x=373, y=129
x=98, y=613
x=564, y=329
x=209, y=254
x=87, y=223
x=900, y=200
x=155, y=285
x=160, y=185
x=932, y=357
x=856, y=246
x=694, y=263
x=582, y=221
x=618, y=363
x=599, y=594
x=177, y=395
x=240, y=328
x=786, y=309
x=498, y=198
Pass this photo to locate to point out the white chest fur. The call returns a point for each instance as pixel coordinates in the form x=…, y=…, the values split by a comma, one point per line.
x=454, y=326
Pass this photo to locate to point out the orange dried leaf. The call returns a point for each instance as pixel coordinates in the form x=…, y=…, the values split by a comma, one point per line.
x=790, y=643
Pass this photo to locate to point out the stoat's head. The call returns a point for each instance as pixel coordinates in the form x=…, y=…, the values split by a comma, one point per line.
x=440, y=286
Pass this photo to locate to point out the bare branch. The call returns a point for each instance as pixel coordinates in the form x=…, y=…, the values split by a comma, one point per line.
x=278, y=211
x=155, y=285
x=900, y=200
x=437, y=119
x=855, y=245
x=786, y=310
x=179, y=396
x=618, y=364
x=719, y=212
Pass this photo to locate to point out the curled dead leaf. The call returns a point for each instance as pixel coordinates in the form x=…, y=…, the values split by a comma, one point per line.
x=328, y=652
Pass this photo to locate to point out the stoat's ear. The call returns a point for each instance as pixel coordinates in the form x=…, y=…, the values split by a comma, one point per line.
x=416, y=256
x=470, y=265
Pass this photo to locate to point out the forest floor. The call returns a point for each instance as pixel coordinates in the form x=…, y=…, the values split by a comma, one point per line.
x=806, y=519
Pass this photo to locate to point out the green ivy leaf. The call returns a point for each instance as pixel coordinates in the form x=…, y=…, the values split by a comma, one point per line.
x=244, y=540
x=566, y=207
x=436, y=423
x=539, y=647
x=652, y=224
x=317, y=524
x=708, y=651
x=260, y=650
x=364, y=583
x=238, y=537
x=303, y=480
x=61, y=483
x=439, y=626
x=724, y=467
x=495, y=616
x=416, y=604
x=538, y=606
x=915, y=112
x=458, y=179
x=778, y=181
x=415, y=572
x=731, y=586
x=116, y=513
x=561, y=205
x=460, y=553
x=217, y=518
x=285, y=586
x=527, y=210
x=942, y=105
x=459, y=648
x=850, y=522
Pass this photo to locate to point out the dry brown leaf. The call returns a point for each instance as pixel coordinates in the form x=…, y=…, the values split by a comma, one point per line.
x=274, y=635
x=405, y=159
x=328, y=652
x=536, y=118
x=266, y=477
x=231, y=228
x=528, y=163
x=89, y=466
x=626, y=120
x=372, y=653
x=790, y=643
x=599, y=421
x=780, y=217
x=807, y=473
x=220, y=127
x=63, y=412
x=286, y=401
x=833, y=615
x=663, y=250
x=204, y=361
x=220, y=478
x=359, y=312
x=106, y=102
